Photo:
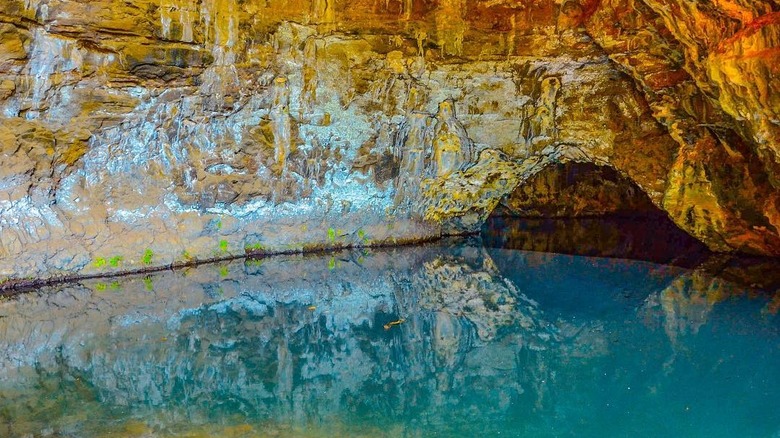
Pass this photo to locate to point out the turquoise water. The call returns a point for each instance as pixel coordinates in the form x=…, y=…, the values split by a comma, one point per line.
x=448, y=339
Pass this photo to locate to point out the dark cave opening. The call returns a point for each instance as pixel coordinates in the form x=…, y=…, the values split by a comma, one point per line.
x=590, y=210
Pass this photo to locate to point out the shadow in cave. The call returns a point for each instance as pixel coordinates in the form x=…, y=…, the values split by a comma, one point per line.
x=590, y=210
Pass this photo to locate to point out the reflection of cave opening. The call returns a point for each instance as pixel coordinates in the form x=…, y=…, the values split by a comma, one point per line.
x=586, y=209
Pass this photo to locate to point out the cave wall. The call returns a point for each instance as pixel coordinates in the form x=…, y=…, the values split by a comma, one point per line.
x=138, y=134
x=708, y=69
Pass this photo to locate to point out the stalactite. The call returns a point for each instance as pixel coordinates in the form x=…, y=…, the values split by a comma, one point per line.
x=281, y=123
x=407, y=9
x=450, y=26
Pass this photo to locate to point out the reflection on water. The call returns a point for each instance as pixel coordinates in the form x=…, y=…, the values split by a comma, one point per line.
x=652, y=237
x=452, y=339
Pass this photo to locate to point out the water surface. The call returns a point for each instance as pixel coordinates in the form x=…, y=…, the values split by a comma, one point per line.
x=449, y=339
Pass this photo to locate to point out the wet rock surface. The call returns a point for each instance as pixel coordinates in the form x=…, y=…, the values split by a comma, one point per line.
x=145, y=134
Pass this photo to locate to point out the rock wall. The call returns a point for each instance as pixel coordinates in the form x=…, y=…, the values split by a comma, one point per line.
x=708, y=71
x=140, y=134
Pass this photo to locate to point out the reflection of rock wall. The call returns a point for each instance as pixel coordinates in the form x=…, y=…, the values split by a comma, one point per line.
x=421, y=339
x=172, y=127
x=214, y=342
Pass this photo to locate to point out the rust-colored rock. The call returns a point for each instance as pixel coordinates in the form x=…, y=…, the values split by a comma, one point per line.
x=724, y=183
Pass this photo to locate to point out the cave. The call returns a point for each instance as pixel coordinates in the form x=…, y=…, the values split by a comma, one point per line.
x=571, y=190
x=591, y=210
x=389, y=217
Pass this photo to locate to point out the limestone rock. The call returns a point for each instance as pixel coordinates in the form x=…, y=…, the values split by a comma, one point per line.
x=135, y=128
x=465, y=199
x=680, y=52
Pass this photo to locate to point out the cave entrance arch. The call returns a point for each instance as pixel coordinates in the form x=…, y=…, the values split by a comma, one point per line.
x=584, y=208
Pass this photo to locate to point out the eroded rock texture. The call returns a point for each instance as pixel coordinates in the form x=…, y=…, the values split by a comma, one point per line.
x=706, y=69
x=143, y=133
